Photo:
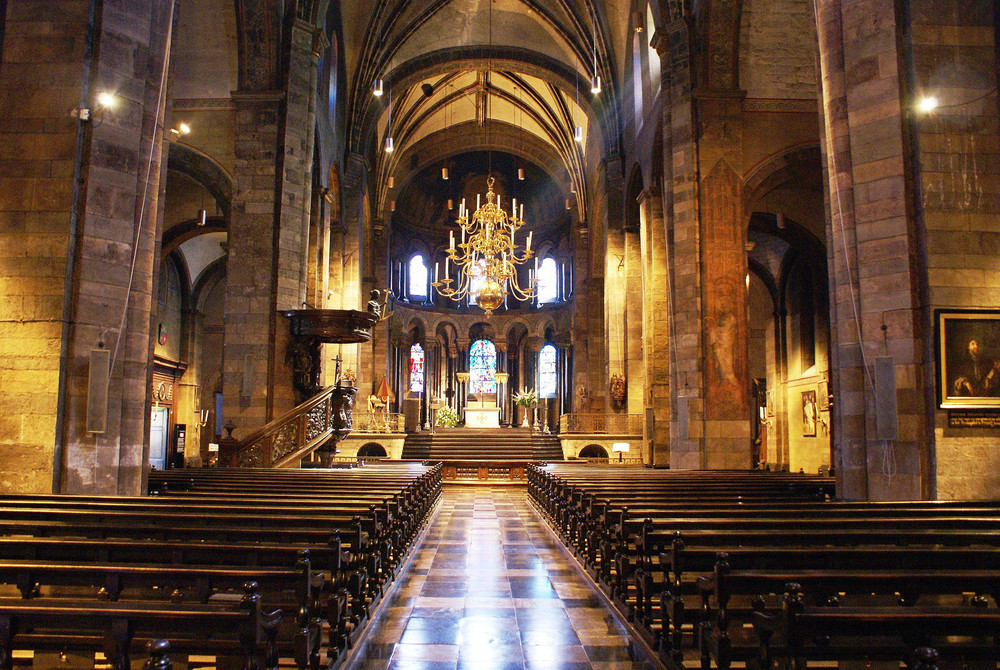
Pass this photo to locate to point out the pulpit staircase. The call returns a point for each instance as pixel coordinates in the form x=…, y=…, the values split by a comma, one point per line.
x=478, y=444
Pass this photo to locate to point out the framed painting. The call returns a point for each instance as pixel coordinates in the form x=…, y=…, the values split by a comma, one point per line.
x=823, y=395
x=968, y=358
x=809, y=413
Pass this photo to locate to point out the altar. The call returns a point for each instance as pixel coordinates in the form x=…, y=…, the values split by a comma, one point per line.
x=482, y=414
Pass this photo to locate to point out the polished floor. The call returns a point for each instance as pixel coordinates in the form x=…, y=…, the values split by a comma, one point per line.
x=489, y=588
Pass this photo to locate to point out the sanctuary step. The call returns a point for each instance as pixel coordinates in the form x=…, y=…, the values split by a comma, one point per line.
x=458, y=444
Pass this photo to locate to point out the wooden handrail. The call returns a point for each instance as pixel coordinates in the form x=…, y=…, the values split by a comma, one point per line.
x=295, y=434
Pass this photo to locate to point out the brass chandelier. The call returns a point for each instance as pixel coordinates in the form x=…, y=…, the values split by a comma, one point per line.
x=487, y=258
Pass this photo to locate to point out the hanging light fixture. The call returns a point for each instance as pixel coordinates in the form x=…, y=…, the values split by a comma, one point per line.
x=444, y=173
x=379, y=88
x=595, y=82
x=488, y=256
x=389, y=148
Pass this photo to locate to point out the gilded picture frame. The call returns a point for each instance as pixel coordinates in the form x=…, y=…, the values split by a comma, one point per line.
x=968, y=358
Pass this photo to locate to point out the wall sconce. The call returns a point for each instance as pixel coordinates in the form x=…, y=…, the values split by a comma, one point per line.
x=105, y=100
x=180, y=131
x=202, y=418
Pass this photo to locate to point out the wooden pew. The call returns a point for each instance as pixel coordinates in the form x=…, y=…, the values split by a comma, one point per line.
x=245, y=629
x=800, y=632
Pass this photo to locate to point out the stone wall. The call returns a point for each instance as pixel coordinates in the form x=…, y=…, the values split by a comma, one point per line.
x=954, y=59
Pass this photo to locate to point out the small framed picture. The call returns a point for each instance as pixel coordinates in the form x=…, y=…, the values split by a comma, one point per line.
x=823, y=395
x=809, y=414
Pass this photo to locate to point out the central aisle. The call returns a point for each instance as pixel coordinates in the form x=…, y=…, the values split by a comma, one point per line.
x=489, y=588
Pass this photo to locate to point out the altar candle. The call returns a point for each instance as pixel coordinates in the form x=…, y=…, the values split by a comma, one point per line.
x=521, y=215
x=445, y=267
x=463, y=234
x=477, y=202
x=513, y=210
x=527, y=247
x=451, y=247
x=436, y=272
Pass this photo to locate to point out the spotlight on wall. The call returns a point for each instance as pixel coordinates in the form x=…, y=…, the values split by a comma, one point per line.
x=927, y=104
x=105, y=100
x=180, y=130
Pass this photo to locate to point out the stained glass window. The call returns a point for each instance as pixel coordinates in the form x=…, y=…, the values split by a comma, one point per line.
x=547, y=371
x=417, y=368
x=418, y=277
x=482, y=365
x=548, y=281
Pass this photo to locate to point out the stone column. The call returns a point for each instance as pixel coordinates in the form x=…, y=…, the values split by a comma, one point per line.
x=79, y=215
x=874, y=253
x=680, y=194
x=656, y=333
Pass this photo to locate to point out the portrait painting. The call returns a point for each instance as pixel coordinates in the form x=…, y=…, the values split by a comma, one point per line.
x=968, y=358
x=809, y=413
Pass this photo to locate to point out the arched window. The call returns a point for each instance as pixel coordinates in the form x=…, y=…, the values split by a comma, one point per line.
x=548, y=281
x=417, y=287
x=416, y=368
x=547, y=371
x=482, y=365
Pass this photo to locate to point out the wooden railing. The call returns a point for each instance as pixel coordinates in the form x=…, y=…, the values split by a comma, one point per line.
x=378, y=422
x=601, y=424
x=319, y=422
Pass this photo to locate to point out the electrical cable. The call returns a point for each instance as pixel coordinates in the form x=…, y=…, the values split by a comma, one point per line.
x=145, y=189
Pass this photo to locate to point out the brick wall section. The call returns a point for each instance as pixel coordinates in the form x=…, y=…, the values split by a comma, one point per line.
x=777, y=43
x=41, y=78
x=954, y=57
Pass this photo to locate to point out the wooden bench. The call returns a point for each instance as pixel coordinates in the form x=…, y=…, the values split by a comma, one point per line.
x=323, y=552
x=244, y=628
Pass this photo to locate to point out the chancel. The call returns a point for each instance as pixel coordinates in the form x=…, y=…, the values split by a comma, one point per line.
x=682, y=287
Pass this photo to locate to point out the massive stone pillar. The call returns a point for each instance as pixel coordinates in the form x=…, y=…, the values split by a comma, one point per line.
x=681, y=213
x=874, y=252
x=79, y=208
x=656, y=331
